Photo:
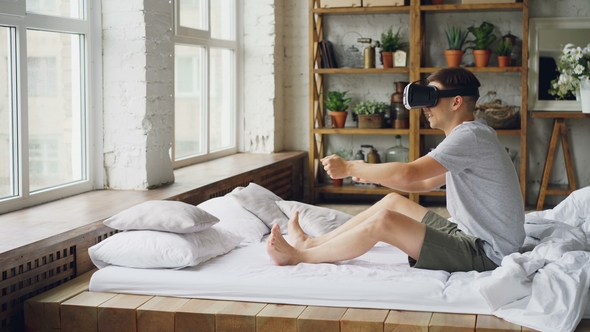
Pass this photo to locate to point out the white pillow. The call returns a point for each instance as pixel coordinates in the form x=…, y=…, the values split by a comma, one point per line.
x=234, y=218
x=169, y=216
x=261, y=202
x=314, y=220
x=153, y=249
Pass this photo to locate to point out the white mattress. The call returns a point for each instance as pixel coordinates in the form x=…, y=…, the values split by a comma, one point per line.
x=379, y=279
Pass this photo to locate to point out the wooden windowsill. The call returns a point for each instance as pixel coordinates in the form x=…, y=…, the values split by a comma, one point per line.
x=85, y=212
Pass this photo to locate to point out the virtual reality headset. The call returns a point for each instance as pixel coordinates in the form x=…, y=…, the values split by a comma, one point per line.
x=418, y=96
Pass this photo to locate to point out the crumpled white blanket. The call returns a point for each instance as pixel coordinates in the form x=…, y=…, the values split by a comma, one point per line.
x=546, y=288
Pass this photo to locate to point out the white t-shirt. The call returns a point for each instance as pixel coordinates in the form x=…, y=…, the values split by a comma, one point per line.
x=483, y=191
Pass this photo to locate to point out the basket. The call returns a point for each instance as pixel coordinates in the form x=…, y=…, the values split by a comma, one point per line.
x=498, y=116
x=371, y=121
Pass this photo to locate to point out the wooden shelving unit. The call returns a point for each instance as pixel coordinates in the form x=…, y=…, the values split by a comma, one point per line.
x=415, y=71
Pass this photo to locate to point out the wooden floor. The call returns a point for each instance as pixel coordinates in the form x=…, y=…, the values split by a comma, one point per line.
x=71, y=307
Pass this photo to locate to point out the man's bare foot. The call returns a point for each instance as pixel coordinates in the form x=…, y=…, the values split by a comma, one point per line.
x=280, y=252
x=297, y=237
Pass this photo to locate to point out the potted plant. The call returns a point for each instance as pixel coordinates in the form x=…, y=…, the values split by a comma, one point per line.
x=337, y=104
x=371, y=114
x=456, y=38
x=484, y=37
x=503, y=50
x=389, y=44
x=344, y=154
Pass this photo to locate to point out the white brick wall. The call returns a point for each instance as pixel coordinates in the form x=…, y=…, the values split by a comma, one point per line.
x=137, y=87
x=263, y=89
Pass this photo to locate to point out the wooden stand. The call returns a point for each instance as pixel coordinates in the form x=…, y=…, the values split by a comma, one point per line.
x=559, y=127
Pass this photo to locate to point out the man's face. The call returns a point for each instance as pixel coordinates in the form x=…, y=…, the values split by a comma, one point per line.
x=436, y=114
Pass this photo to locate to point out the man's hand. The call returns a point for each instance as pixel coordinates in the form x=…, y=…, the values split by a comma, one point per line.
x=336, y=166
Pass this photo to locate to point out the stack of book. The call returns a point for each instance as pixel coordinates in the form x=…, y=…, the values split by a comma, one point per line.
x=327, y=56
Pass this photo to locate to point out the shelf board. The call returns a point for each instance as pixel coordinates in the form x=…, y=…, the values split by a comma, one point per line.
x=328, y=188
x=438, y=193
x=357, y=131
x=397, y=70
x=500, y=132
x=472, y=7
x=511, y=69
x=431, y=132
x=361, y=10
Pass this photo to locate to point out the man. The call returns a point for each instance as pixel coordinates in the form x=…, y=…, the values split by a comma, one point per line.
x=483, y=196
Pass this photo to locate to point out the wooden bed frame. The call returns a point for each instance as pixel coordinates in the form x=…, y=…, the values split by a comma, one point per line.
x=71, y=308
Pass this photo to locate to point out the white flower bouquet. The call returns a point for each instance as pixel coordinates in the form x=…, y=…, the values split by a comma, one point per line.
x=574, y=68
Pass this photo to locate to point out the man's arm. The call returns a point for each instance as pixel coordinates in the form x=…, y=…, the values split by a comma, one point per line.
x=423, y=174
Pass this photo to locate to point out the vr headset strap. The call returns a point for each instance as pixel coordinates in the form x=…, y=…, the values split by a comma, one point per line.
x=457, y=92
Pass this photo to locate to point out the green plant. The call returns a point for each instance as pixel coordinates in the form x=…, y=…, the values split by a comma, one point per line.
x=370, y=107
x=392, y=43
x=456, y=38
x=336, y=101
x=504, y=48
x=483, y=36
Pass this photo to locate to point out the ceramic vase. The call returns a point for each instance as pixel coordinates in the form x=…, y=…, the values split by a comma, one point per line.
x=338, y=119
x=503, y=61
x=387, y=59
x=454, y=57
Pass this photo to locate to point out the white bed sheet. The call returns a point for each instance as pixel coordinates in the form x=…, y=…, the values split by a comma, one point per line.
x=545, y=288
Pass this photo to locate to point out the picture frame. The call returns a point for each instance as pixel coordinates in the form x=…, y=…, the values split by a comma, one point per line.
x=547, y=37
x=399, y=58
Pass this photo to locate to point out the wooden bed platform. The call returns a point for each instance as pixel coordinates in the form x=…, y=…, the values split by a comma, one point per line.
x=72, y=308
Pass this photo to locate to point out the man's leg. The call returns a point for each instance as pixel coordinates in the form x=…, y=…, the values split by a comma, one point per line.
x=392, y=202
x=383, y=226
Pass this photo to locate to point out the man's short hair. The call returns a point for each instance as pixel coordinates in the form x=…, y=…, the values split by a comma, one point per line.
x=455, y=78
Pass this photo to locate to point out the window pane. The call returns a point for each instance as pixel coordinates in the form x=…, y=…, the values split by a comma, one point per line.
x=221, y=99
x=56, y=133
x=188, y=104
x=223, y=19
x=193, y=14
x=64, y=8
x=6, y=106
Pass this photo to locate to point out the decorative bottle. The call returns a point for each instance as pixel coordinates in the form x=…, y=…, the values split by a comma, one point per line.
x=399, y=114
x=398, y=153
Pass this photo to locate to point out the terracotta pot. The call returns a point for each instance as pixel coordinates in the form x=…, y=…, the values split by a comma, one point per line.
x=482, y=57
x=371, y=121
x=337, y=182
x=338, y=119
x=503, y=60
x=387, y=59
x=454, y=57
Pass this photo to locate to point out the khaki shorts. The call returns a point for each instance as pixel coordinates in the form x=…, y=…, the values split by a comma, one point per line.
x=447, y=248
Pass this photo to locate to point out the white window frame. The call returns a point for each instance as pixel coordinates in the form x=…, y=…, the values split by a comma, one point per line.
x=13, y=15
x=195, y=37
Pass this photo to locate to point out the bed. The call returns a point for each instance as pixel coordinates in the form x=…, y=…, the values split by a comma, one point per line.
x=545, y=287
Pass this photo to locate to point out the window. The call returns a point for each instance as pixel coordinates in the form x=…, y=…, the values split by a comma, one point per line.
x=44, y=112
x=205, y=84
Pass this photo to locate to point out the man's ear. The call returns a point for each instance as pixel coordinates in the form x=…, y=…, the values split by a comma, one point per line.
x=457, y=102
